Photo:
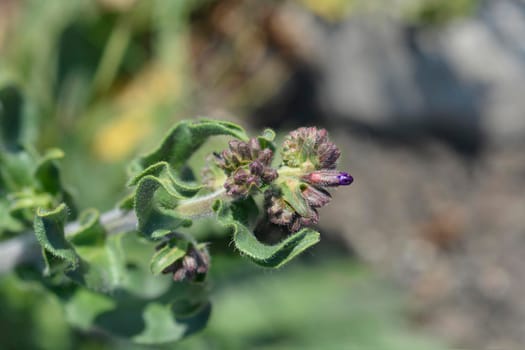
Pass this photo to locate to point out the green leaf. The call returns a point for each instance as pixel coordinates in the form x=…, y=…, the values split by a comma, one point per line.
x=47, y=175
x=266, y=139
x=88, y=263
x=7, y=221
x=183, y=140
x=114, y=290
x=163, y=169
x=90, y=231
x=155, y=201
x=49, y=231
x=265, y=255
x=158, y=176
x=141, y=321
x=167, y=255
x=16, y=170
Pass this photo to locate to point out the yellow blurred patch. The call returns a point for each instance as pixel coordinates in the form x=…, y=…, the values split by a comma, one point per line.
x=117, y=138
x=332, y=10
x=136, y=103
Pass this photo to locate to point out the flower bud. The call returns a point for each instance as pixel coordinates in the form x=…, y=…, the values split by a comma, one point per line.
x=316, y=197
x=329, y=178
x=279, y=212
x=194, y=265
x=247, y=167
x=309, y=145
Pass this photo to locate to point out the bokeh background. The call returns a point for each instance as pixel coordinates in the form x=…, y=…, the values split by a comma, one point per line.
x=424, y=251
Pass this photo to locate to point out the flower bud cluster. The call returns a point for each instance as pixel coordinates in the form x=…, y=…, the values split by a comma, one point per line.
x=281, y=211
x=310, y=159
x=194, y=265
x=247, y=166
x=309, y=145
x=295, y=191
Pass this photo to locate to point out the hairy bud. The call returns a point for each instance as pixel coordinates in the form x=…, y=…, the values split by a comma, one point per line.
x=193, y=266
x=309, y=160
x=247, y=166
x=310, y=145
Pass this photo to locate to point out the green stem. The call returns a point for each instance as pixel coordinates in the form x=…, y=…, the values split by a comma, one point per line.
x=285, y=171
x=200, y=206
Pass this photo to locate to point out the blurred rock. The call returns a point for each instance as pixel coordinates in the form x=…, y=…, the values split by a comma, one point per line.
x=460, y=81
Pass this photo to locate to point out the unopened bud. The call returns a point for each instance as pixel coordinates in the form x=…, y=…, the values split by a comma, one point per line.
x=194, y=264
x=309, y=145
x=316, y=197
x=247, y=167
x=329, y=178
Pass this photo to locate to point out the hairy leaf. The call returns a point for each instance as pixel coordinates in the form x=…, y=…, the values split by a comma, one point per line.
x=183, y=140
x=115, y=291
x=49, y=231
x=265, y=255
x=155, y=201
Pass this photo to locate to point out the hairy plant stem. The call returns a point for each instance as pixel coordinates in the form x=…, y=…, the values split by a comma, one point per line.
x=25, y=248
x=202, y=205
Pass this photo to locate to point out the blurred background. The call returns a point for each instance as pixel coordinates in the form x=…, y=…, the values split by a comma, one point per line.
x=424, y=97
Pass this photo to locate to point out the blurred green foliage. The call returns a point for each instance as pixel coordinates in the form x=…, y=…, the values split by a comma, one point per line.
x=345, y=307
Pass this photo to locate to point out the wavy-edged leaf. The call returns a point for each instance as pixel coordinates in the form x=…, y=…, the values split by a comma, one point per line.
x=184, y=139
x=266, y=255
x=155, y=203
x=114, y=290
x=48, y=179
x=163, y=169
x=49, y=231
x=87, y=262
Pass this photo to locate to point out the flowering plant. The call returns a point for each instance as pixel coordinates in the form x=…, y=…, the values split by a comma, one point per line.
x=115, y=262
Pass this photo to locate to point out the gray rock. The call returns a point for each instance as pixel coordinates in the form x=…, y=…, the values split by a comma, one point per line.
x=461, y=81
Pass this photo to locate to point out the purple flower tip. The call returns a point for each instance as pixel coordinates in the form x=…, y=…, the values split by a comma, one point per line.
x=345, y=179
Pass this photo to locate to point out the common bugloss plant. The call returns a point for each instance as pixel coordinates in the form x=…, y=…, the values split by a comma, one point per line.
x=141, y=262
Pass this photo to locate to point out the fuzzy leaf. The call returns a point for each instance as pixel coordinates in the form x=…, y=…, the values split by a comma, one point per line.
x=49, y=231
x=114, y=290
x=88, y=262
x=265, y=255
x=183, y=140
x=47, y=175
x=163, y=169
x=155, y=201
